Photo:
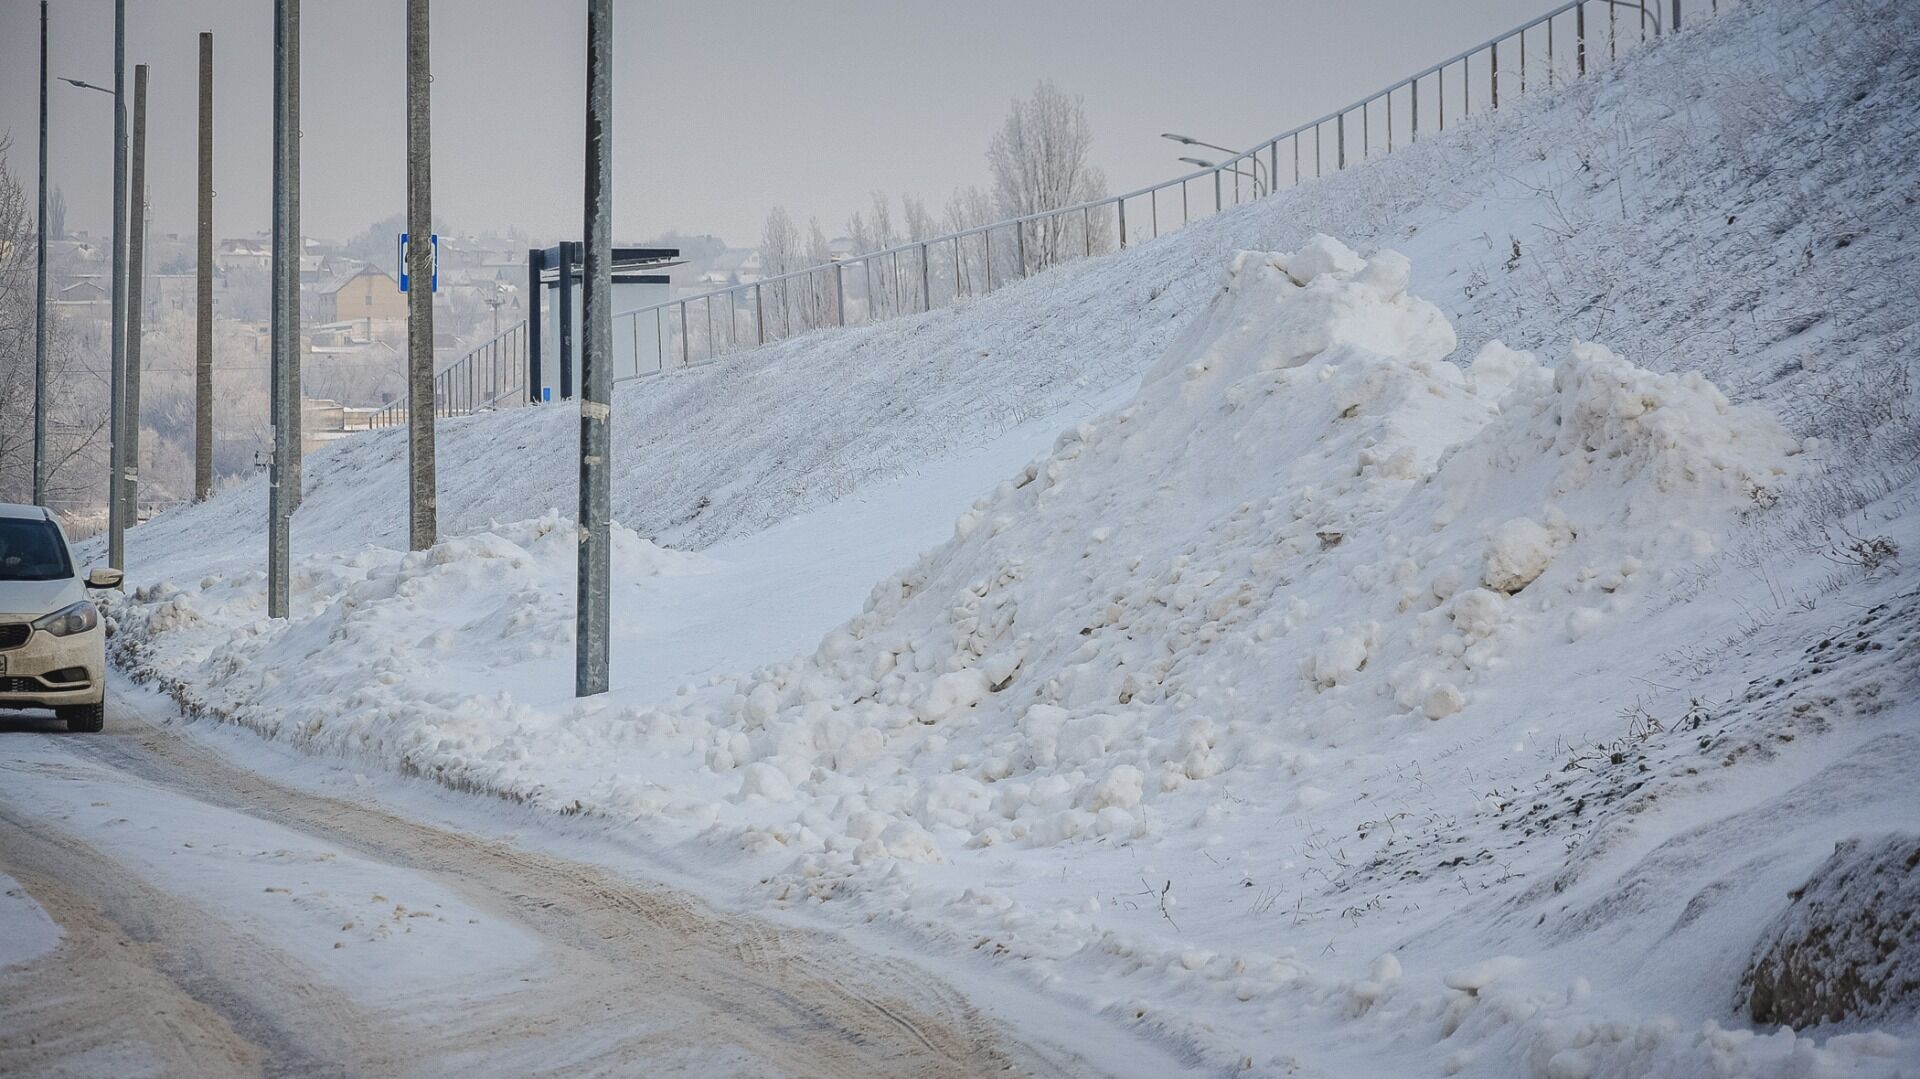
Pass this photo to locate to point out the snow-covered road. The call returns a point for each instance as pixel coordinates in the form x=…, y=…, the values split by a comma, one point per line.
x=217, y=922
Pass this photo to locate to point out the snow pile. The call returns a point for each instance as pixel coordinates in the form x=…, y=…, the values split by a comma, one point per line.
x=1308, y=529
x=406, y=657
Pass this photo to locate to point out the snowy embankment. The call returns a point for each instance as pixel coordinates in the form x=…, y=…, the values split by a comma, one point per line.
x=1351, y=699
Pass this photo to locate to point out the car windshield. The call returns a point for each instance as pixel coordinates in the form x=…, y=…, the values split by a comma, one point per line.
x=32, y=551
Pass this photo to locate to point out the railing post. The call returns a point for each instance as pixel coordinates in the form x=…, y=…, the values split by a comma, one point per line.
x=1493, y=75
x=1216, y=191
x=1086, y=226
x=1579, y=37
x=839, y=293
x=535, y=260
x=685, y=337
x=713, y=343
x=1340, y=141
x=926, y=279
x=1673, y=25
x=1122, y=204
x=563, y=298
x=986, y=248
x=1415, y=111
x=759, y=315
x=1020, y=245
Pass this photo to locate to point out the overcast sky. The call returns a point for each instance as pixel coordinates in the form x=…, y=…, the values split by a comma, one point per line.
x=722, y=108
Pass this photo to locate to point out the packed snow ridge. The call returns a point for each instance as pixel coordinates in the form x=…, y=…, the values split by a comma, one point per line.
x=1222, y=622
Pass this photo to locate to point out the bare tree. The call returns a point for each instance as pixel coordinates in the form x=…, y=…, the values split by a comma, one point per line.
x=76, y=393
x=920, y=222
x=1039, y=163
x=873, y=231
x=969, y=207
x=820, y=292
x=780, y=254
x=56, y=214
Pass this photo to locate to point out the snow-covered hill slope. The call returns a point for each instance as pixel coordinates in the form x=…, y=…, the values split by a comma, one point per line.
x=1358, y=694
x=1729, y=201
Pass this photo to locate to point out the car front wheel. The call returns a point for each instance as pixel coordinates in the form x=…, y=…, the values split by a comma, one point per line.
x=85, y=718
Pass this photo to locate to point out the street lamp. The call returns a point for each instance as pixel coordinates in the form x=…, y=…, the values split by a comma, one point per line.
x=1255, y=177
x=1189, y=140
x=116, y=440
x=495, y=302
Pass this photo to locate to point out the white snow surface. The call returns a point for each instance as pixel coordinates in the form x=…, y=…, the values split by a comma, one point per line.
x=390, y=937
x=1348, y=682
x=26, y=932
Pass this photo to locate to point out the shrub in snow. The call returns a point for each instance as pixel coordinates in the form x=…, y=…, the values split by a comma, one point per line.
x=1848, y=944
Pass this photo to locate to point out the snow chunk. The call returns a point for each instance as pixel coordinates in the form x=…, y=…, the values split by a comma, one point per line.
x=766, y=781
x=1322, y=254
x=951, y=694
x=1442, y=701
x=1121, y=788
x=1520, y=552
x=1484, y=973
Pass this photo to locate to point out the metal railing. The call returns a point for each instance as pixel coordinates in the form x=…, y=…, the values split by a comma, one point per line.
x=922, y=274
x=491, y=375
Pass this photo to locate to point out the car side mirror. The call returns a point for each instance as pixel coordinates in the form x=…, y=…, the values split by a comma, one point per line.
x=105, y=578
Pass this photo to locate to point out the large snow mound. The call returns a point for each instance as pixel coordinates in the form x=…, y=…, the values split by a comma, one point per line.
x=1309, y=528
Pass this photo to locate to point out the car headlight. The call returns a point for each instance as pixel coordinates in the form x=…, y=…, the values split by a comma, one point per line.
x=75, y=618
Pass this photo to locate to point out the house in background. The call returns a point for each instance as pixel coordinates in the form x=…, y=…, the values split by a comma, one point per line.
x=86, y=296
x=368, y=295
x=252, y=254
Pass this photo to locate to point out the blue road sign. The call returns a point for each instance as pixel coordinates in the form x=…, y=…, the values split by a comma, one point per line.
x=433, y=284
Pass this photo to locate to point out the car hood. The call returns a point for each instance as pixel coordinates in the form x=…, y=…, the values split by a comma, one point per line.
x=24, y=601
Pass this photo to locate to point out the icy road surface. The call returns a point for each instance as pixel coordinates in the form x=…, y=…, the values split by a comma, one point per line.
x=216, y=922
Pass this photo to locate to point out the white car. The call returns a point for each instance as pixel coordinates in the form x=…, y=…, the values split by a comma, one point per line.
x=53, y=650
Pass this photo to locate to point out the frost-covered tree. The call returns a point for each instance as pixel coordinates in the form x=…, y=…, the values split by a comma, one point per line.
x=76, y=391
x=1039, y=161
x=969, y=207
x=780, y=253
x=873, y=231
x=821, y=291
x=56, y=214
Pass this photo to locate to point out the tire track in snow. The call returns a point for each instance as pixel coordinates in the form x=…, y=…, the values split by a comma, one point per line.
x=639, y=975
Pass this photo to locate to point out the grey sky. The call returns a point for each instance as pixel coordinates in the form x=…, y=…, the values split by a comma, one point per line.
x=722, y=108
